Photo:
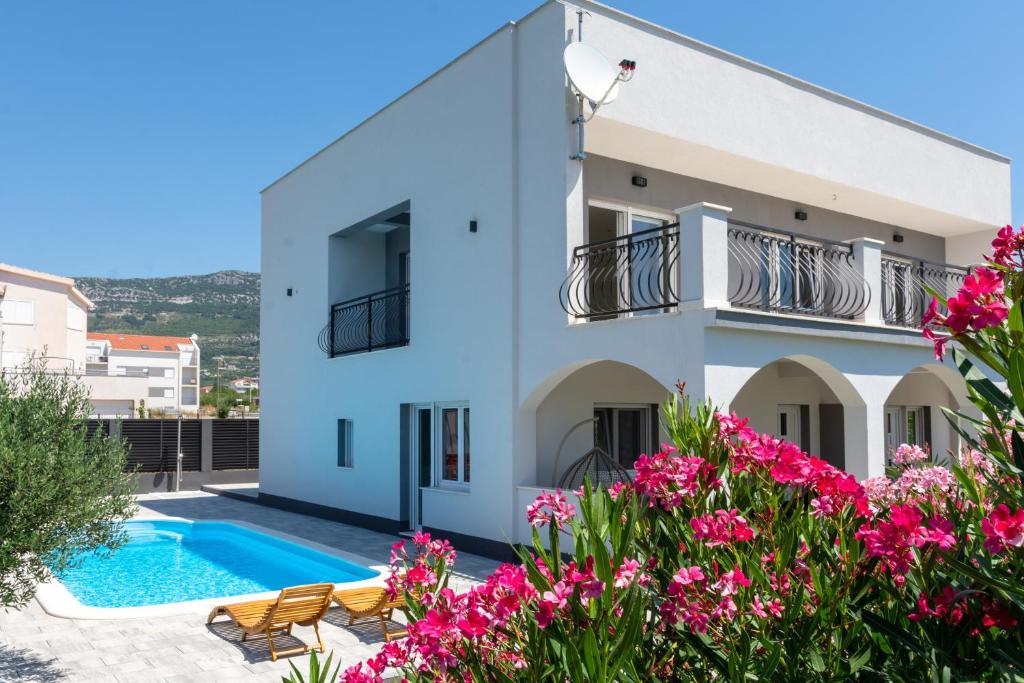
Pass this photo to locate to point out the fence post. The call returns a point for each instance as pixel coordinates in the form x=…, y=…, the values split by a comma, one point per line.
x=205, y=445
x=704, y=254
x=867, y=262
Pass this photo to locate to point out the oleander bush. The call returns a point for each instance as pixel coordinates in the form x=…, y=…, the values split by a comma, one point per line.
x=735, y=556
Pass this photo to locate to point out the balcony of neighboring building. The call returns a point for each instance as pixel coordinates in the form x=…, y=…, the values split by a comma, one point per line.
x=368, y=285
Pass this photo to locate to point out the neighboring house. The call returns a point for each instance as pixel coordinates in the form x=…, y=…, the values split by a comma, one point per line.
x=41, y=313
x=756, y=236
x=169, y=367
x=243, y=385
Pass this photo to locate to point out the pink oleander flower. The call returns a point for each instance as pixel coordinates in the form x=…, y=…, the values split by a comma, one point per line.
x=976, y=463
x=894, y=540
x=550, y=508
x=730, y=582
x=667, y=479
x=1008, y=248
x=733, y=426
x=1003, y=529
x=909, y=454
x=721, y=528
x=980, y=304
x=626, y=573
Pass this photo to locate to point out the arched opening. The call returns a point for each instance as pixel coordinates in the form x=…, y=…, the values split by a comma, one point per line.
x=914, y=410
x=806, y=401
x=605, y=404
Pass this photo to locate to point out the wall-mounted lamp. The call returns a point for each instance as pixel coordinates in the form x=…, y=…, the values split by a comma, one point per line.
x=472, y=225
x=639, y=181
x=800, y=215
x=289, y=291
x=897, y=238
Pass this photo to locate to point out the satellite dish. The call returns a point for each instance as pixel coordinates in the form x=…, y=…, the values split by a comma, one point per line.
x=590, y=74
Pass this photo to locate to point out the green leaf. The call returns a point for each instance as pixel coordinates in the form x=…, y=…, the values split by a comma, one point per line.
x=892, y=631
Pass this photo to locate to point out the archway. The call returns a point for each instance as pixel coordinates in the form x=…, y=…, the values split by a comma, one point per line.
x=914, y=409
x=605, y=403
x=809, y=402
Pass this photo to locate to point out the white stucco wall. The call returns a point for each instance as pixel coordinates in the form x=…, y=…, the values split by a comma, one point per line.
x=701, y=112
x=64, y=347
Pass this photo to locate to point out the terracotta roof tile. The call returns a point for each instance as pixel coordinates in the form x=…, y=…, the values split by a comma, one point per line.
x=140, y=342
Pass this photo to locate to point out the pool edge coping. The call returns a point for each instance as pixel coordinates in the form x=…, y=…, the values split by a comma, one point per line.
x=56, y=600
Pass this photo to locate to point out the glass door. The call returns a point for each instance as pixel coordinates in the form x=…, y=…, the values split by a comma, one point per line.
x=422, y=450
x=623, y=432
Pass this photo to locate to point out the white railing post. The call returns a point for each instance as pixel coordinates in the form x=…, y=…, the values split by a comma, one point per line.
x=704, y=254
x=867, y=262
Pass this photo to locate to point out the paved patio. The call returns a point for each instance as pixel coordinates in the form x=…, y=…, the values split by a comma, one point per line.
x=35, y=646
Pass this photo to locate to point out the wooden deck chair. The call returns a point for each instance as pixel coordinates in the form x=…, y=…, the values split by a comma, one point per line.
x=302, y=605
x=371, y=603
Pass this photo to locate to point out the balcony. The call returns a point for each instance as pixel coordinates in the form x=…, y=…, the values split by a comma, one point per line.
x=783, y=272
x=732, y=264
x=368, y=323
x=633, y=274
x=908, y=286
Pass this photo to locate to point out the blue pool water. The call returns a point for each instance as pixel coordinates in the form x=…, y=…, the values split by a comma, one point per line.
x=173, y=561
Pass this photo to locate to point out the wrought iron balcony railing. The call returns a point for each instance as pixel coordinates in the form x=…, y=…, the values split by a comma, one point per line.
x=783, y=272
x=367, y=323
x=630, y=274
x=905, y=285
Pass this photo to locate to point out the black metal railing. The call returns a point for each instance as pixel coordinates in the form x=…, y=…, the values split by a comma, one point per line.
x=784, y=272
x=367, y=323
x=634, y=273
x=905, y=285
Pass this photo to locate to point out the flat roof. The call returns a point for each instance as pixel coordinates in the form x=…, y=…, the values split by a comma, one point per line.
x=696, y=44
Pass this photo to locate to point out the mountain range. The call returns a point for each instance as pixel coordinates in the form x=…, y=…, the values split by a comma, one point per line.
x=223, y=308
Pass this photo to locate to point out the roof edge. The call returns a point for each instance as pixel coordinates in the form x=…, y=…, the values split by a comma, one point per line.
x=792, y=80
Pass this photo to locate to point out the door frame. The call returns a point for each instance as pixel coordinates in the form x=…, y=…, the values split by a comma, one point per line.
x=796, y=429
x=415, y=493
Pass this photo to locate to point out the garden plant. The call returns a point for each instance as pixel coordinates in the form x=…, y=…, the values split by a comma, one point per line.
x=734, y=556
x=62, y=490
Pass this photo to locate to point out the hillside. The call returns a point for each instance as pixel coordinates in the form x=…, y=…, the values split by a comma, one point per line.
x=223, y=308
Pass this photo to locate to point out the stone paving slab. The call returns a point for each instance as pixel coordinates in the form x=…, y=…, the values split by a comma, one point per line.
x=36, y=647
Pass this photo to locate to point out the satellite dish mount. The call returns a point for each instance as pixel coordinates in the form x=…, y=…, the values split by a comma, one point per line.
x=593, y=78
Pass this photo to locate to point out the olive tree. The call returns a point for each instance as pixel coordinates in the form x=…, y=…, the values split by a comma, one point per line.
x=62, y=491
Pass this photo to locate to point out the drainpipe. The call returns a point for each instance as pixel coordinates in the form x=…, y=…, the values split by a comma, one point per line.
x=3, y=291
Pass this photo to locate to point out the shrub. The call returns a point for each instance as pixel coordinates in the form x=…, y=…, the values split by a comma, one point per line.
x=735, y=556
x=61, y=491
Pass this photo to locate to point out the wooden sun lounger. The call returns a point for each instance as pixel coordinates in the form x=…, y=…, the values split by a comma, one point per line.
x=370, y=603
x=302, y=605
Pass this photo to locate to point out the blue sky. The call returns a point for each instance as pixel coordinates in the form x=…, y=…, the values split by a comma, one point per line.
x=135, y=136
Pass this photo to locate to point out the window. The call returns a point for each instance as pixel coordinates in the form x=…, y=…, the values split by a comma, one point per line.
x=168, y=372
x=161, y=392
x=623, y=432
x=453, y=453
x=344, y=443
x=17, y=312
x=76, y=318
x=906, y=424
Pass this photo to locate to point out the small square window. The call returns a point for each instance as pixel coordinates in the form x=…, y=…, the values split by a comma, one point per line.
x=344, y=443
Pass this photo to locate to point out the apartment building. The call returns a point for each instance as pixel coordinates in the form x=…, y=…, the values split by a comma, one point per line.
x=38, y=312
x=168, y=366
x=759, y=237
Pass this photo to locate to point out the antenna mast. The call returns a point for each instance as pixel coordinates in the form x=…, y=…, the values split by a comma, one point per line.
x=580, y=119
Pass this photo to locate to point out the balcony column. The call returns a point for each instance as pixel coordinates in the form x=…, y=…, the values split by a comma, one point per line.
x=867, y=262
x=704, y=254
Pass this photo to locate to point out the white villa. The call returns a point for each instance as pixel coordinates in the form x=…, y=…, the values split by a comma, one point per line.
x=759, y=237
x=167, y=367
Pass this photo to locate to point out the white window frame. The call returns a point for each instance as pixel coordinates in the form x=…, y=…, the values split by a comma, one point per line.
x=439, y=481
x=645, y=446
x=349, y=441
x=76, y=318
x=902, y=413
x=624, y=227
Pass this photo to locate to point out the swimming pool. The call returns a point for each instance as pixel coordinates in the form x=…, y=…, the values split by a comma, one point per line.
x=170, y=561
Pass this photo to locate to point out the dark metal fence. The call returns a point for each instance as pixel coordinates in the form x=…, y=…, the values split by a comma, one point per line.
x=375, y=321
x=783, y=272
x=905, y=284
x=153, y=444
x=633, y=273
x=236, y=444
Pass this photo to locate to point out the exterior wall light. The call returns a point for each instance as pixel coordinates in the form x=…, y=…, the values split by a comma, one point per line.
x=800, y=215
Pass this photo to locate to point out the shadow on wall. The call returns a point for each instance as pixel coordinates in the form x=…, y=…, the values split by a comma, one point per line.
x=22, y=664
